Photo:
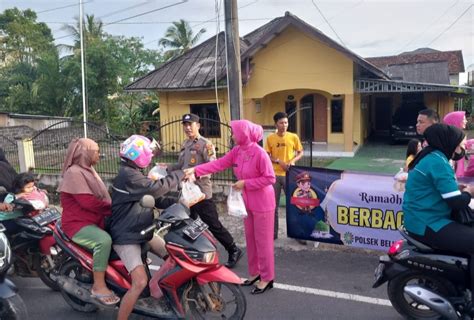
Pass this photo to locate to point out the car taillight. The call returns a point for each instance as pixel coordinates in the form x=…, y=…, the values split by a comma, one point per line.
x=395, y=248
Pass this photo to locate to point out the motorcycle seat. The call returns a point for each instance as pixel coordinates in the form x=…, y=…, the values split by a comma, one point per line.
x=59, y=229
x=420, y=245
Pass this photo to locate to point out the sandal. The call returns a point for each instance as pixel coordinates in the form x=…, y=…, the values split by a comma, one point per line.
x=103, y=298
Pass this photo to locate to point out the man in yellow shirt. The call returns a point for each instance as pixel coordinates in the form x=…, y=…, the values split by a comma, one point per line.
x=284, y=149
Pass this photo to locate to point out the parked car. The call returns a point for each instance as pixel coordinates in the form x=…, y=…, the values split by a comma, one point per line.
x=403, y=126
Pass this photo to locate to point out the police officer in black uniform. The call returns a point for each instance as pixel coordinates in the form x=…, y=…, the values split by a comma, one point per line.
x=196, y=150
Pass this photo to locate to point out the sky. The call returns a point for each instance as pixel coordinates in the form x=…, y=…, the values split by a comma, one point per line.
x=369, y=28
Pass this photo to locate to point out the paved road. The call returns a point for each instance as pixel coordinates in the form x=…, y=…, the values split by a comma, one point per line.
x=307, y=281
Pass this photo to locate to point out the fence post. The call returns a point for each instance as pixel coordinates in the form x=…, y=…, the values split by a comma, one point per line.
x=26, y=154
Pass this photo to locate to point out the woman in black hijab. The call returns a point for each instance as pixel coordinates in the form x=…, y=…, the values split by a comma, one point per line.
x=432, y=193
x=7, y=173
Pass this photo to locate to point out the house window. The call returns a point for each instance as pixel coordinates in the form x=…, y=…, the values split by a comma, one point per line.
x=336, y=115
x=210, y=121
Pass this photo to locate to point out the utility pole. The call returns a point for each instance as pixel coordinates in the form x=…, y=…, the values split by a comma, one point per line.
x=83, y=77
x=234, y=77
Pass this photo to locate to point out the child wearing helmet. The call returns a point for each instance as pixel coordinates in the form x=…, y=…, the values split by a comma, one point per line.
x=129, y=218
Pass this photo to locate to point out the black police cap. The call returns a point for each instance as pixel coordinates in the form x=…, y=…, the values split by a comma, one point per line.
x=190, y=117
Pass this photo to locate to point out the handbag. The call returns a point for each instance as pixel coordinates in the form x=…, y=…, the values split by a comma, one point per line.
x=463, y=216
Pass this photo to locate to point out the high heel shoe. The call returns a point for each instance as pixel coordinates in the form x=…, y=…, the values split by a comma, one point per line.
x=257, y=290
x=249, y=282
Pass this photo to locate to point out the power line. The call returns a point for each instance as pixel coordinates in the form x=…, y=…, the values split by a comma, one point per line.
x=321, y=13
x=134, y=16
x=213, y=19
x=148, y=12
x=63, y=7
x=452, y=24
x=428, y=27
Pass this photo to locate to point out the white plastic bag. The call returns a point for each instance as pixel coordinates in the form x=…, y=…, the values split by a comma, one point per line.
x=191, y=194
x=400, y=180
x=157, y=172
x=235, y=204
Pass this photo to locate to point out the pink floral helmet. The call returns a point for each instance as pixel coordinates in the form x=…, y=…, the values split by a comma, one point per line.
x=137, y=149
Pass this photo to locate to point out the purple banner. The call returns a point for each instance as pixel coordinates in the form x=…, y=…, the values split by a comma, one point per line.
x=353, y=209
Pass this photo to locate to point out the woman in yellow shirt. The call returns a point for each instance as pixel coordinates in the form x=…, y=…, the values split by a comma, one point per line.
x=414, y=146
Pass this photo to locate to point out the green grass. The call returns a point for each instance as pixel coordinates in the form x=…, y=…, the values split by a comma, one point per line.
x=378, y=157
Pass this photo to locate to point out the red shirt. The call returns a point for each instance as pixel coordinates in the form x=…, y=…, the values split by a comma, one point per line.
x=81, y=210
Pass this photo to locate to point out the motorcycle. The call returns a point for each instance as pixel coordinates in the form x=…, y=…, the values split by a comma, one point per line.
x=191, y=283
x=30, y=232
x=424, y=283
x=12, y=306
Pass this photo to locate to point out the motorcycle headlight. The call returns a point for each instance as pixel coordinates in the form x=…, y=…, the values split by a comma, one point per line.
x=5, y=253
x=203, y=257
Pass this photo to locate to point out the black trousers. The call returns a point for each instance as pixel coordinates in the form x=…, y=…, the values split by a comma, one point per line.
x=453, y=237
x=207, y=211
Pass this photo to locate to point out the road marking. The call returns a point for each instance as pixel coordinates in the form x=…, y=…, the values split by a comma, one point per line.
x=321, y=292
x=334, y=294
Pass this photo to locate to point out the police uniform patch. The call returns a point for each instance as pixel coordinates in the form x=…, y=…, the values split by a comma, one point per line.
x=210, y=149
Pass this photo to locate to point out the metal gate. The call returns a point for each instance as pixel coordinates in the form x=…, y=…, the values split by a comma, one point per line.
x=10, y=148
x=171, y=136
x=50, y=146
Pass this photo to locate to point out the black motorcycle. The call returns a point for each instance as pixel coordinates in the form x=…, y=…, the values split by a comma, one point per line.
x=30, y=233
x=424, y=283
x=12, y=306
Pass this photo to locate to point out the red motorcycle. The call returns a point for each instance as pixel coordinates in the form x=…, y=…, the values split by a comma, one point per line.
x=191, y=283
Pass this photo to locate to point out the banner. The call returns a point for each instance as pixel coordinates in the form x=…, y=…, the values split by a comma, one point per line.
x=353, y=209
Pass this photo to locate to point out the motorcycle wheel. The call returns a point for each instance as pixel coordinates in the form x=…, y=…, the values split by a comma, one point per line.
x=74, y=270
x=44, y=270
x=409, y=308
x=228, y=300
x=13, y=308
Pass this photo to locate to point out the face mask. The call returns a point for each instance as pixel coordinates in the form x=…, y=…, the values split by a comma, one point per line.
x=458, y=156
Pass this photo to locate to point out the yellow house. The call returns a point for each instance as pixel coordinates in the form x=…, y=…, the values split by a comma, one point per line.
x=334, y=97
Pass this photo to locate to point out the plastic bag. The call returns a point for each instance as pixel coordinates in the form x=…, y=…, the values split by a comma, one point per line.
x=235, y=204
x=400, y=180
x=191, y=194
x=157, y=172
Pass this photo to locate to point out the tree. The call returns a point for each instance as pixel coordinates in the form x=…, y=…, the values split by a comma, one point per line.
x=179, y=38
x=24, y=44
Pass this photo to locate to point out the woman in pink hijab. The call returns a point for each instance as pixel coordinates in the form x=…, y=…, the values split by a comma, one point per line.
x=86, y=202
x=254, y=171
x=458, y=119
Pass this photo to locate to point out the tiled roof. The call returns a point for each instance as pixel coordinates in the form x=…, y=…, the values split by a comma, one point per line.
x=195, y=69
x=454, y=59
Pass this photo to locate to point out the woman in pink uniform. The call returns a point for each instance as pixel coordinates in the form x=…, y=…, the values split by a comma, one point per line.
x=254, y=171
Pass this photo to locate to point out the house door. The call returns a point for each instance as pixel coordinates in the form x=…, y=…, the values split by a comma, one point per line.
x=383, y=115
x=314, y=118
x=306, y=113
x=320, y=115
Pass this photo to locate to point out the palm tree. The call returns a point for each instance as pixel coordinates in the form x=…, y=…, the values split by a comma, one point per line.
x=179, y=38
x=93, y=29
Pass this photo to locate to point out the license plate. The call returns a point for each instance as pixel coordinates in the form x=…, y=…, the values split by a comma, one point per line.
x=195, y=229
x=379, y=272
x=47, y=216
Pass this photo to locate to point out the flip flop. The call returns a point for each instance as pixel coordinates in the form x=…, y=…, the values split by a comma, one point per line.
x=101, y=298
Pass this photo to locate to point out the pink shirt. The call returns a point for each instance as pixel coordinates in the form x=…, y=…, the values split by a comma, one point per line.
x=253, y=165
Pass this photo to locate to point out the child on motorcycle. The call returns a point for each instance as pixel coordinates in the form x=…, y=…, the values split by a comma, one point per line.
x=24, y=188
x=129, y=218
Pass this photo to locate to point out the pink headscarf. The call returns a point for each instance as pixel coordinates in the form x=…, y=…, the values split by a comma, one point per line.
x=79, y=177
x=246, y=133
x=455, y=118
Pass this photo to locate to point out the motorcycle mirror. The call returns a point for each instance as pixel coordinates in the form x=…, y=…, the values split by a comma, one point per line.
x=147, y=201
x=9, y=198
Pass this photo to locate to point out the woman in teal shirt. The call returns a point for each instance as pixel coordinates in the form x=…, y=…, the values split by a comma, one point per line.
x=432, y=192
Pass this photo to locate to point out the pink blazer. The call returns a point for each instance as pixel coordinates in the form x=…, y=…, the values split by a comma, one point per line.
x=252, y=165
